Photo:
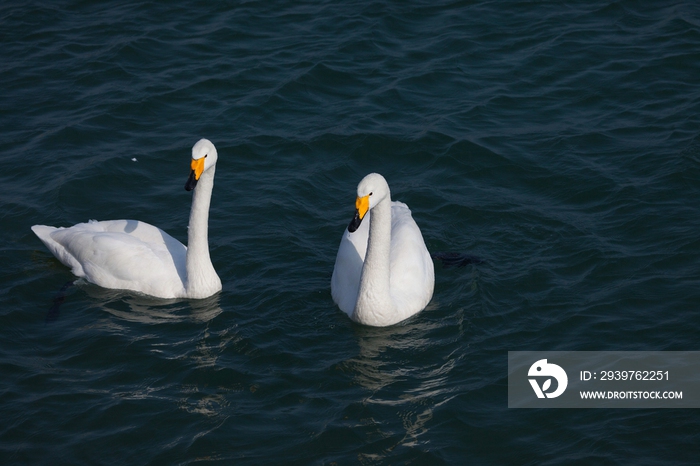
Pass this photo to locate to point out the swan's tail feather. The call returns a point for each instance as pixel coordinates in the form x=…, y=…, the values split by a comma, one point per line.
x=43, y=232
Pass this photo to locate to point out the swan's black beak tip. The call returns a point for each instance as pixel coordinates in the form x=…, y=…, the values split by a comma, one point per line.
x=355, y=222
x=191, y=182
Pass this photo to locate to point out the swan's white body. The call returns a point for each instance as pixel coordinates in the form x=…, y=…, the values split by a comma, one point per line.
x=383, y=272
x=133, y=255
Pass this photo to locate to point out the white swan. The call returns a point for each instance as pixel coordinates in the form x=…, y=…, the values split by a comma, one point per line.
x=383, y=272
x=136, y=256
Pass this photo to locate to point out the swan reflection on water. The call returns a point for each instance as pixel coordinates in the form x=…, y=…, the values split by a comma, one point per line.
x=148, y=310
x=393, y=361
x=195, y=353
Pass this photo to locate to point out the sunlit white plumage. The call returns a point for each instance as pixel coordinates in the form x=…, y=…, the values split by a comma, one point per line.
x=133, y=255
x=383, y=272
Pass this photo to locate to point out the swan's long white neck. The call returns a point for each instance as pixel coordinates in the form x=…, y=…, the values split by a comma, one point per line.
x=202, y=280
x=374, y=297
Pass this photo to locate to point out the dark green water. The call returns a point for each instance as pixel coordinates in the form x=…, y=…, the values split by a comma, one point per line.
x=561, y=143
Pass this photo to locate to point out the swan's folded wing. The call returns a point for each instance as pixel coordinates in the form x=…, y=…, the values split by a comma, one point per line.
x=118, y=260
x=169, y=250
x=412, y=273
x=136, y=228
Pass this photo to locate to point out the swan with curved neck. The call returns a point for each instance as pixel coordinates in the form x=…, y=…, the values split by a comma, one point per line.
x=383, y=272
x=136, y=256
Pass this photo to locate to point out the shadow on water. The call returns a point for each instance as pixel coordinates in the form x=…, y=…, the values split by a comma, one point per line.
x=456, y=259
x=55, y=310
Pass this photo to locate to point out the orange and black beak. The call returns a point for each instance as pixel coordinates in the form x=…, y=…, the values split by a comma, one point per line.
x=197, y=166
x=361, y=209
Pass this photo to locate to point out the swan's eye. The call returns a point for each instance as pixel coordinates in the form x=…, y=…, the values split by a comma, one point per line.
x=370, y=194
